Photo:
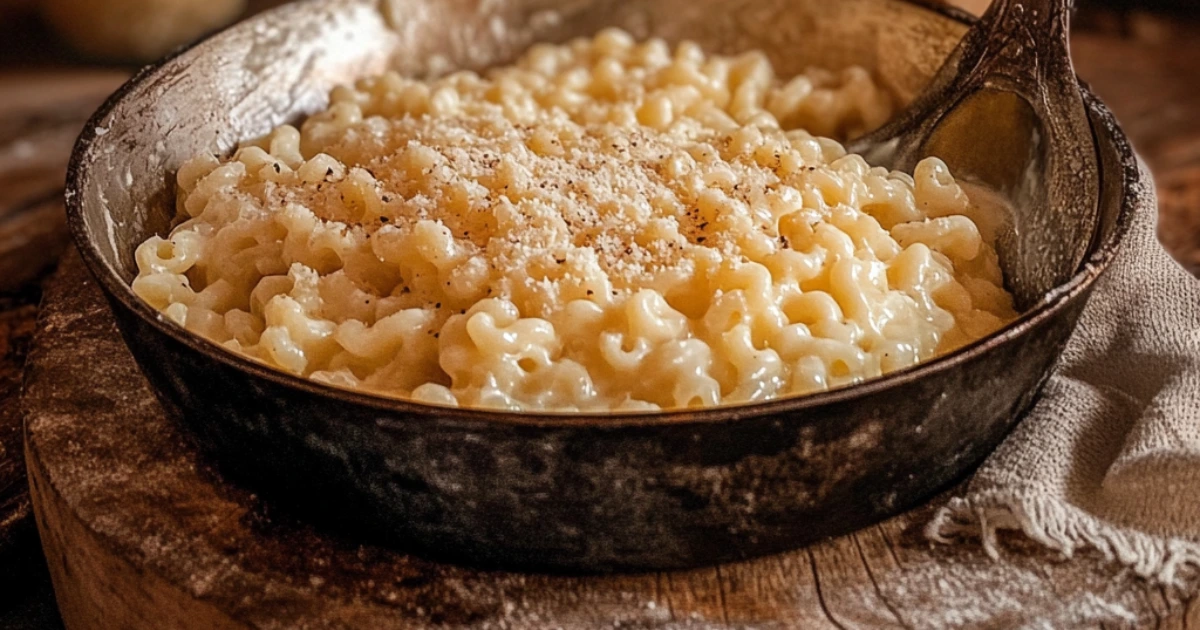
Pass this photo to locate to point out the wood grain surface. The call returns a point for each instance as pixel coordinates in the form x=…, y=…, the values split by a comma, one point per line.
x=16, y=329
x=41, y=112
x=40, y=115
x=1147, y=68
x=188, y=549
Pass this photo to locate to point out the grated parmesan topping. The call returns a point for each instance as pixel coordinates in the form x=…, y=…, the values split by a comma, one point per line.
x=604, y=225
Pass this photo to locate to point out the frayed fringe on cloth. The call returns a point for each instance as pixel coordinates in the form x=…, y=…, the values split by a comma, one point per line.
x=1063, y=528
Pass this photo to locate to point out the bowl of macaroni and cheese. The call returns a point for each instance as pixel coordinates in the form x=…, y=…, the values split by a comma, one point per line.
x=585, y=286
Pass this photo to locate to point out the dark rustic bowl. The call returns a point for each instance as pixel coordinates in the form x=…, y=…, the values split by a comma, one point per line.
x=567, y=492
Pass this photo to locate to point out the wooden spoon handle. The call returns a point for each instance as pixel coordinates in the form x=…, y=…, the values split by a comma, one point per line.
x=1019, y=45
x=1007, y=111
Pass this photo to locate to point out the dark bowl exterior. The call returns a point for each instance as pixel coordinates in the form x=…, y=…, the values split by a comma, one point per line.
x=597, y=493
x=591, y=497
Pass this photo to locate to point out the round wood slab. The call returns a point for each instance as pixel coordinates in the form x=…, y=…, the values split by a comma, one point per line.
x=140, y=532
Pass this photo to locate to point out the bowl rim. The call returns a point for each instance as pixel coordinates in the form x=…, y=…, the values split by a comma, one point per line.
x=1100, y=256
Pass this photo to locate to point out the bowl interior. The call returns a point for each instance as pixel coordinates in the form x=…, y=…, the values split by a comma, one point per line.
x=280, y=66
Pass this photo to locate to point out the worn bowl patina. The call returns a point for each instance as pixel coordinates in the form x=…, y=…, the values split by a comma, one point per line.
x=580, y=492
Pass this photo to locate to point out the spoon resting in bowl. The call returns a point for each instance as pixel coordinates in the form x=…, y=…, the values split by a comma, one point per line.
x=1006, y=111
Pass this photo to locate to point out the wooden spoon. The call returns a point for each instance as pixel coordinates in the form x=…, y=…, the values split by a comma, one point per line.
x=1006, y=110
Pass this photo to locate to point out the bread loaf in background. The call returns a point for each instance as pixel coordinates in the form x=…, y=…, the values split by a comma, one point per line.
x=135, y=30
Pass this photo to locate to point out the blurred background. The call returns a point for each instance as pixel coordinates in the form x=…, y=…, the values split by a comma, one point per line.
x=59, y=59
x=134, y=31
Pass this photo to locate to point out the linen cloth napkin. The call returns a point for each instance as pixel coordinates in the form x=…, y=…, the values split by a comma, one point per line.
x=1109, y=457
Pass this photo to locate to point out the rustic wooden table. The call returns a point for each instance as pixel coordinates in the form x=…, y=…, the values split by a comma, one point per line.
x=1144, y=66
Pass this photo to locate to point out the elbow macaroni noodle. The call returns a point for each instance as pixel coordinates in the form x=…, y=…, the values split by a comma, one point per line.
x=604, y=225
